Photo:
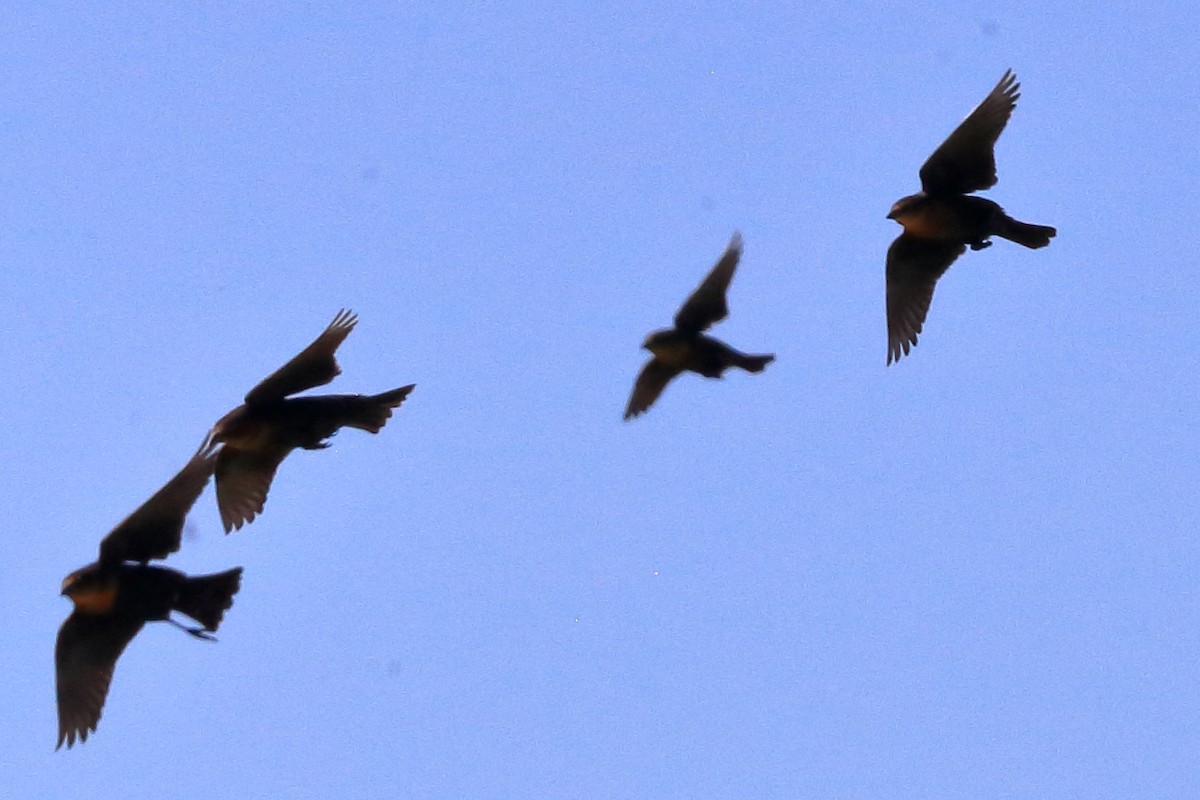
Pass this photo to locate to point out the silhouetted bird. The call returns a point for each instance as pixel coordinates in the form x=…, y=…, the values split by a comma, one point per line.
x=685, y=347
x=115, y=596
x=941, y=220
x=259, y=435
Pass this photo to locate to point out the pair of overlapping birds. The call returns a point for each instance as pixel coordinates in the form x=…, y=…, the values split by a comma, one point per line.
x=115, y=596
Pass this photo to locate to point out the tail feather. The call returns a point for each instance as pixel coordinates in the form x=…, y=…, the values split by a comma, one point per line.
x=755, y=363
x=370, y=413
x=1032, y=236
x=206, y=598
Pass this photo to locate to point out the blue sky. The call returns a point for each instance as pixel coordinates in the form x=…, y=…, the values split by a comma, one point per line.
x=971, y=574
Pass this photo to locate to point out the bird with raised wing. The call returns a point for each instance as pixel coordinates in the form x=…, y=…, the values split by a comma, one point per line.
x=259, y=434
x=943, y=219
x=118, y=594
x=685, y=347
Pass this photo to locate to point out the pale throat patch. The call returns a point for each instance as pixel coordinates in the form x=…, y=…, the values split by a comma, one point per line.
x=926, y=223
x=673, y=353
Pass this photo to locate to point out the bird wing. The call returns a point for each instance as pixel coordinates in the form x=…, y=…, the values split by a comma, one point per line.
x=243, y=480
x=155, y=529
x=315, y=365
x=650, y=383
x=966, y=161
x=706, y=306
x=913, y=268
x=84, y=658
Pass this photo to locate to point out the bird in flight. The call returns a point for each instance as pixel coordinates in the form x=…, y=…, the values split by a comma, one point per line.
x=118, y=594
x=943, y=219
x=685, y=346
x=259, y=434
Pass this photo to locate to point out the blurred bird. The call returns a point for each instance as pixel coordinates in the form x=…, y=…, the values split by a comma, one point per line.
x=685, y=347
x=115, y=596
x=941, y=220
x=257, y=436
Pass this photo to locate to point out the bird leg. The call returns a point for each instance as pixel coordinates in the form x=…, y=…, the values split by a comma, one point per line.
x=199, y=633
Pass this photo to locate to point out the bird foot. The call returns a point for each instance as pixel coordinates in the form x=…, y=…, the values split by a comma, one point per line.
x=981, y=244
x=199, y=633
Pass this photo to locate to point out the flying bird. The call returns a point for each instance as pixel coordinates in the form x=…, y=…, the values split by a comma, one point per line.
x=685, y=347
x=942, y=220
x=258, y=435
x=118, y=594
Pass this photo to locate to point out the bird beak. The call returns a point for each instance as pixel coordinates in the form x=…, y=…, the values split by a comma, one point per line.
x=892, y=214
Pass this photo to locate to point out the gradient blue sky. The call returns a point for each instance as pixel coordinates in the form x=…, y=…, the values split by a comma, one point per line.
x=970, y=575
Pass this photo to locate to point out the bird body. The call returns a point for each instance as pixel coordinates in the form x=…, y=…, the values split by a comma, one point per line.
x=148, y=593
x=953, y=218
x=306, y=422
x=696, y=352
x=964, y=219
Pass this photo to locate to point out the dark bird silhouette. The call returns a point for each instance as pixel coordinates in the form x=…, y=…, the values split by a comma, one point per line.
x=685, y=347
x=118, y=594
x=258, y=435
x=942, y=220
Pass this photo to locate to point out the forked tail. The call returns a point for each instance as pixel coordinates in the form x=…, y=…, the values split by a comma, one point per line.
x=755, y=363
x=206, y=598
x=371, y=412
x=1033, y=236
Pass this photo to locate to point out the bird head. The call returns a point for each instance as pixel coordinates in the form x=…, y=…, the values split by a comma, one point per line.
x=243, y=428
x=227, y=426
x=78, y=580
x=91, y=588
x=659, y=339
x=904, y=206
x=670, y=346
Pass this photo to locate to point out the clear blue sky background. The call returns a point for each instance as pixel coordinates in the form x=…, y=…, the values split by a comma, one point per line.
x=970, y=575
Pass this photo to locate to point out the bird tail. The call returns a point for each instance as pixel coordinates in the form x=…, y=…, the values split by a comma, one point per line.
x=754, y=363
x=1032, y=236
x=371, y=412
x=206, y=598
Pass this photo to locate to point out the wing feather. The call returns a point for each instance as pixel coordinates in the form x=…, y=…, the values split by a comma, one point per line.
x=650, y=383
x=707, y=305
x=315, y=365
x=966, y=161
x=243, y=480
x=85, y=656
x=913, y=268
x=155, y=529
